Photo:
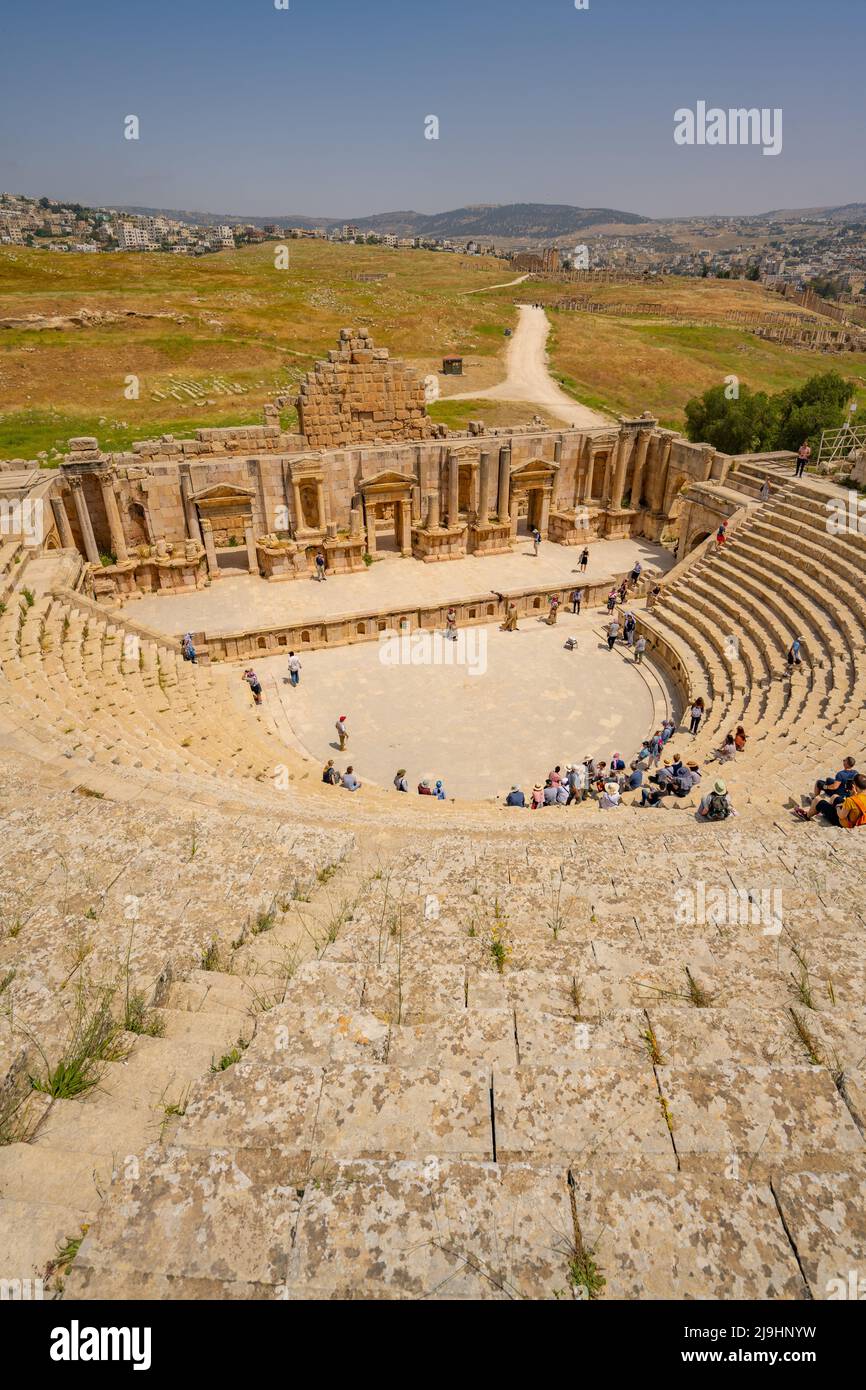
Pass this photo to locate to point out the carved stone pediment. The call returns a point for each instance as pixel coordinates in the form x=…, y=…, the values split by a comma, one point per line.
x=534, y=470
x=389, y=480
x=223, y=494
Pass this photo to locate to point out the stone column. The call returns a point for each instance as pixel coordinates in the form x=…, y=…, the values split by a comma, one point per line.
x=586, y=486
x=432, y=518
x=115, y=525
x=90, y=548
x=546, y=498
x=664, y=471
x=250, y=542
x=371, y=530
x=620, y=465
x=503, y=504
x=355, y=528
x=61, y=520
x=321, y=505
x=406, y=527
x=213, y=568
x=514, y=516
x=453, y=490
x=189, y=511
x=607, y=483
x=299, y=511
x=643, y=441
x=484, y=489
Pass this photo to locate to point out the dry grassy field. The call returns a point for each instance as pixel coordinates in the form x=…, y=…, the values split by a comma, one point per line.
x=229, y=326
x=630, y=364
x=210, y=339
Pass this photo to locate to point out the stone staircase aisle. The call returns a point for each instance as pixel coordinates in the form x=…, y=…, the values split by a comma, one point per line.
x=510, y=1075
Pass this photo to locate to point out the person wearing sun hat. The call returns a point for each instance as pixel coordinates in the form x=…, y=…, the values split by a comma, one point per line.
x=716, y=804
x=537, y=798
x=515, y=797
x=610, y=796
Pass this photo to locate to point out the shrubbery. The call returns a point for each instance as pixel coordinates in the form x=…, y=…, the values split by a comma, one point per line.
x=757, y=423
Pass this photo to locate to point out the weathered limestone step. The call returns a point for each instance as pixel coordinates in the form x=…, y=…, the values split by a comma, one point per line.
x=206, y=1029
x=198, y=1225
x=57, y=1177
x=31, y=1234
x=99, y=1126
x=207, y=990
x=158, y=1072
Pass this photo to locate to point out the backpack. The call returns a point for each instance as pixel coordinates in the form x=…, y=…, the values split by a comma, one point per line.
x=717, y=807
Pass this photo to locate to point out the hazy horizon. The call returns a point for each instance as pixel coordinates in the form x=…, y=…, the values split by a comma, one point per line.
x=263, y=112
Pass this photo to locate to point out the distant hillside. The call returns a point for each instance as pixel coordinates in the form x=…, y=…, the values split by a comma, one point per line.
x=845, y=212
x=482, y=220
x=505, y=219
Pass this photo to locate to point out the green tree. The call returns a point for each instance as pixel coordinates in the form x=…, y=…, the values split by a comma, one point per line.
x=753, y=422
x=804, y=411
x=745, y=424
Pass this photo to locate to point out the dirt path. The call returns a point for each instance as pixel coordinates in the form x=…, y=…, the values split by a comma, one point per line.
x=506, y=285
x=528, y=378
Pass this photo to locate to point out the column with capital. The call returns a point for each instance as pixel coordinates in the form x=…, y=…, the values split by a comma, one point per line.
x=371, y=528
x=619, y=468
x=90, y=547
x=112, y=512
x=643, y=442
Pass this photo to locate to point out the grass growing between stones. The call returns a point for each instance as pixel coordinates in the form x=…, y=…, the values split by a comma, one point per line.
x=233, y=1055
x=95, y=1038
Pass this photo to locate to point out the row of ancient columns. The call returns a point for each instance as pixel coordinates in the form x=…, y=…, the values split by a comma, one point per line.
x=616, y=469
x=112, y=512
x=503, y=492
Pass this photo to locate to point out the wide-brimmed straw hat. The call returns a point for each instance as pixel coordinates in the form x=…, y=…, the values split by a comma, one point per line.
x=611, y=786
x=720, y=787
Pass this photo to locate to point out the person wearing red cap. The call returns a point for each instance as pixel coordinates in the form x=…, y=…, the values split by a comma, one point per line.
x=342, y=731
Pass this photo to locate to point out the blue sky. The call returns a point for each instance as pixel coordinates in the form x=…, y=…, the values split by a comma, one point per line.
x=320, y=108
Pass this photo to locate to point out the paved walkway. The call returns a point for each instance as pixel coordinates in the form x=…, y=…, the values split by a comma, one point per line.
x=248, y=602
x=530, y=705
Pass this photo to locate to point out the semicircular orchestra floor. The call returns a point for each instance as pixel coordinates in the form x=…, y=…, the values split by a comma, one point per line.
x=492, y=709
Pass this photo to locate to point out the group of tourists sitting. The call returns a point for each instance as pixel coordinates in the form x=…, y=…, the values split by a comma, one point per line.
x=646, y=780
x=424, y=788
x=840, y=800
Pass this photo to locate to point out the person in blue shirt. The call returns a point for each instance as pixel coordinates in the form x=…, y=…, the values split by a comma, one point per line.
x=515, y=797
x=439, y=792
x=794, y=658
x=839, y=785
